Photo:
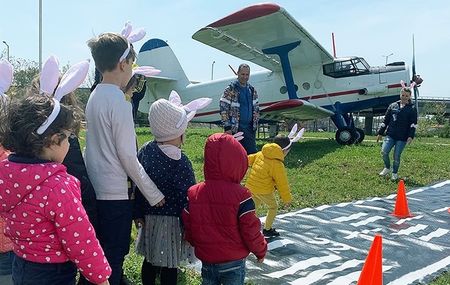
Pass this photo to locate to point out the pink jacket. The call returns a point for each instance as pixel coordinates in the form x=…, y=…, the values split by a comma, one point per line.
x=5, y=243
x=44, y=217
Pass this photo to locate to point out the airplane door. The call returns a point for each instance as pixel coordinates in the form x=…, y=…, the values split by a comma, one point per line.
x=382, y=75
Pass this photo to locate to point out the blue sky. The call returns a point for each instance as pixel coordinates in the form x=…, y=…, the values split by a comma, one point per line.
x=371, y=29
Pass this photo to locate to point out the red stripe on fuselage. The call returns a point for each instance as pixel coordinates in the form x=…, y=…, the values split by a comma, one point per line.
x=281, y=105
x=246, y=14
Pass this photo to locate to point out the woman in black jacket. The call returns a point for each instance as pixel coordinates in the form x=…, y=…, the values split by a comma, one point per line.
x=399, y=124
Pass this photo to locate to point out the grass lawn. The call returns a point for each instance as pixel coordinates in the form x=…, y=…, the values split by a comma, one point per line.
x=322, y=172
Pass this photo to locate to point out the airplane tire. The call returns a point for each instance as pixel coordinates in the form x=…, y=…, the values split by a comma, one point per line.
x=345, y=136
x=360, y=135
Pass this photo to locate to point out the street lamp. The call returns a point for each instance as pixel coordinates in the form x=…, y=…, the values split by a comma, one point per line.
x=212, y=69
x=40, y=35
x=387, y=56
x=7, y=50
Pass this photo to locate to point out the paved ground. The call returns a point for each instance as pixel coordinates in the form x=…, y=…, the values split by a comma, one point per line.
x=328, y=244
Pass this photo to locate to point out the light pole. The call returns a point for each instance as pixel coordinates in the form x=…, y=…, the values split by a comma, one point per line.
x=40, y=35
x=212, y=69
x=7, y=50
x=387, y=56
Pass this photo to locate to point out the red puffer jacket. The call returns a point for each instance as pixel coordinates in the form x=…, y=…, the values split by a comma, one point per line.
x=220, y=220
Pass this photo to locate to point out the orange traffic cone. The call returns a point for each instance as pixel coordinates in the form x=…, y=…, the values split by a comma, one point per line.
x=372, y=272
x=401, y=209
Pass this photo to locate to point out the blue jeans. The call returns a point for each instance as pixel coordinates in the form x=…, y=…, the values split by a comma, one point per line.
x=388, y=144
x=6, y=261
x=31, y=273
x=228, y=273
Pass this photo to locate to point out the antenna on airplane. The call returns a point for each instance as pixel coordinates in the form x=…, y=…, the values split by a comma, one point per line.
x=235, y=73
x=334, y=45
x=415, y=78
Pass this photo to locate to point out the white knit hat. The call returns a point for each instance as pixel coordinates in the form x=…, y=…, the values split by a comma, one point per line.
x=167, y=121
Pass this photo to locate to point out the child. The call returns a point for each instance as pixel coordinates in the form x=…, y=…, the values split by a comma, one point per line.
x=111, y=149
x=74, y=161
x=161, y=241
x=267, y=174
x=6, y=254
x=49, y=227
x=220, y=220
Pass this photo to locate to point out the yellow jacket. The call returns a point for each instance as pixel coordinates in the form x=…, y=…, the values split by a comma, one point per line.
x=268, y=172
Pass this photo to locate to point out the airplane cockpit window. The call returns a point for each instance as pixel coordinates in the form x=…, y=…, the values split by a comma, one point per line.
x=345, y=68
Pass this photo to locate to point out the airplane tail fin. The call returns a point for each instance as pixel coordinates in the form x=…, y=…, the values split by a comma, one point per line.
x=157, y=53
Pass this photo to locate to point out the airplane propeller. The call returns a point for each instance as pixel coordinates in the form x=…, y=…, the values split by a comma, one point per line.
x=415, y=78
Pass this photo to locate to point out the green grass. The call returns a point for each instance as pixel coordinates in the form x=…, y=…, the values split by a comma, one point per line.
x=322, y=172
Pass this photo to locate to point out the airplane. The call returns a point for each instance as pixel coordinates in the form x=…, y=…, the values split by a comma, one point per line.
x=303, y=81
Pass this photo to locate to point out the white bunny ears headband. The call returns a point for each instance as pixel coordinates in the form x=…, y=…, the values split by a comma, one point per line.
x=293, y=137
x=6, y=77
x=70, y=81
x=190, y=108
x=410, y=86
x=131, y=36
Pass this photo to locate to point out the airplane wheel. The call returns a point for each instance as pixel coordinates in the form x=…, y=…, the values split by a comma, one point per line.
x=360, y=135
x=345, y=136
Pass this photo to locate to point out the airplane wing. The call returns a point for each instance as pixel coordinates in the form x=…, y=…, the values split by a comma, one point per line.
x=294, y=109
x=247, y=32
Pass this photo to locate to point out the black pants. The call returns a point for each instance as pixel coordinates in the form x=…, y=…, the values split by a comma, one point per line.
x=149, y=272
x=114, y=230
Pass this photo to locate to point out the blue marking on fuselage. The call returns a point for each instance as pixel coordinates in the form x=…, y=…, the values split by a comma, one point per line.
x=283, y=52
x=153, y=44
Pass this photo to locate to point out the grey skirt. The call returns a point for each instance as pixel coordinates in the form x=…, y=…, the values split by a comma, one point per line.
x=161, y=242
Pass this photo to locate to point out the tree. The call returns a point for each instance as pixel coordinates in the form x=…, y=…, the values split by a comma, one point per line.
x=24, y=72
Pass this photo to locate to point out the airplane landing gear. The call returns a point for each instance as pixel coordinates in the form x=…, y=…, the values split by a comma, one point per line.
x=348, y=135
x=360, y=135
x=345, y=136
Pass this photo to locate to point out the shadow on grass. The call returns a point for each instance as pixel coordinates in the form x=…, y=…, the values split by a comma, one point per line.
x=307, y=152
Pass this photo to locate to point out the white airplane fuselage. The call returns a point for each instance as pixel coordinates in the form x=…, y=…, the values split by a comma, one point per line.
x=313, y=86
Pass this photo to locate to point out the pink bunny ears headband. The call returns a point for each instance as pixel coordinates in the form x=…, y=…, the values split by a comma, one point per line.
x=190, y=108
x=293, y=137
x=70, y=81
x=6, y=77
x=131, y=36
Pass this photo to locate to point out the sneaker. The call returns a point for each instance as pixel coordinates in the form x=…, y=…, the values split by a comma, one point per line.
x=394, y=176
x=271, y=233
x=385, y=171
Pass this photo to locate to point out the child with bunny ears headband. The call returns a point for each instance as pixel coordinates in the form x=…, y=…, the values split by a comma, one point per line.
x=41, y=202
x=172, y=172
x=74, y=161
x=111, y=146
x=268, y=174
x=6, y=253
